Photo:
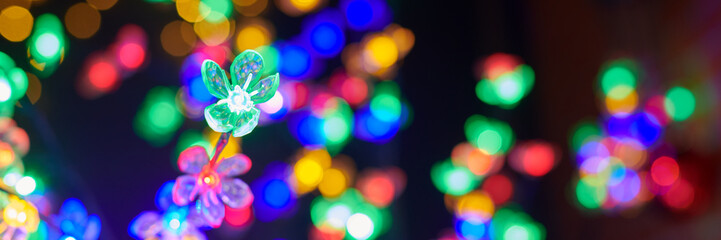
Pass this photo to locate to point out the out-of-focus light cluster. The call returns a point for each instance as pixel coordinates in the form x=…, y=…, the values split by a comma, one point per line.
x=103, y=71
x=348, y=216
x=20, y=217
x=328, y=123
x=489, y=135
x=158, y=117
x=476, y=191
x=14, y=144
x=504, y=80
x=13, y=85
x=533, y=158
x=624, y=162
x=82, y=20
x=341, y=211
x=171, y=222
x=329, y=119
x=358, y=213
x=46, y=46
x=75, y=223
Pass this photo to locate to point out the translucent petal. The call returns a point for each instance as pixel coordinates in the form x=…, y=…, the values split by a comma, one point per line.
x=235, y=193
x=246, y=122
x=92, y=230
x=193, y=233
x=184, y=190
x=233, y=166
x=246, y=63
x=193, y=159
x=212, y=209
x=219, y=116
x=215, y=79
x=146, y=225
x=265, y=89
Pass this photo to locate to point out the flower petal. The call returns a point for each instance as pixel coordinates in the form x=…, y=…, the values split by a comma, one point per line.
x=265, y=89
x=246, y=122
x=233, y=166
x=193, y=233
x=193, y=159
x=235, y=193
x=184, y=190
x=219, y=116
x=212, y=209
x=146, y=225
x=92, y=229
x=215, y=79
x=246, y=63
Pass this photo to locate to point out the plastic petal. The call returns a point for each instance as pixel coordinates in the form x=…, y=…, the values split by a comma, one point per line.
x=92, y=229
x=193, y=233
x=246, y=63
x=212, y=209
x=193, y=159
x=233, y=166
x=184, y=190
x=246, y=122
x=215, y=79
x=265, y=89
x=235, y=193
x=146, y=225
x=219, y=116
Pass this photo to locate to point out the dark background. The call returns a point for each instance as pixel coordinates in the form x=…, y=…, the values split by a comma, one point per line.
x=88, y=149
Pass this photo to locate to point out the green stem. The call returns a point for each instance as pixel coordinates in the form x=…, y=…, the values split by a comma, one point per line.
x=219, y=146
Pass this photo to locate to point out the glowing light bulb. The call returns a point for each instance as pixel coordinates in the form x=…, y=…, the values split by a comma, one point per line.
x=48, y=45
x=11, y=179
x=22, y=217
x=360, y=226
x=10, y=213
x=174, y=224
x=25, y=185
x=5, y=90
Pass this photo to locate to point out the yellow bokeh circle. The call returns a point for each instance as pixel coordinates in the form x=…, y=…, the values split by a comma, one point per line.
x=16, y=23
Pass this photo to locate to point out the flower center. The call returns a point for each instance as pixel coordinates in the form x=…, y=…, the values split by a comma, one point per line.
x=208, y=178
x=239, y=100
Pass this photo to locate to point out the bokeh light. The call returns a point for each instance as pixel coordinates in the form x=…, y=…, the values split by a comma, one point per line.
x=297, y=7
x=296, y=61
x=534, y=158
x=213, y=33
x=192, y=10
x=360, y=226
x=102, y=4
x=664, y=171
x=504, y=80
x=253, y=34
x=158, y=117
x=680, y=103
x=46, y=44
x=324, y=33
x=379, y=52
x=178, y=38
x=100, y=75
x=499, y=188
x=275, y=196
x=492, y=136
x=618, y=78
x=82, y=20
x=16, y=23
x=452, y=179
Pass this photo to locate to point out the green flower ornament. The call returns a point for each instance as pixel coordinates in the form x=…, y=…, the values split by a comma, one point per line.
x=236, y=111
